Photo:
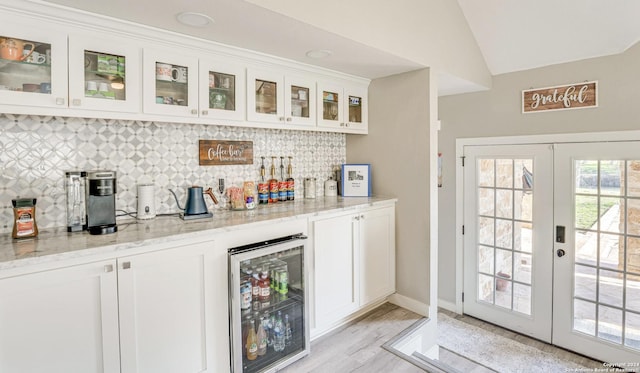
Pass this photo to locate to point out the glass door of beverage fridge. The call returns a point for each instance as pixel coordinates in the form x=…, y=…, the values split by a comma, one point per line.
x=269, y=316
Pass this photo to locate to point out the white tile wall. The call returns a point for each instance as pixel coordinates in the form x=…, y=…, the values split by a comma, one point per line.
x=35, y=151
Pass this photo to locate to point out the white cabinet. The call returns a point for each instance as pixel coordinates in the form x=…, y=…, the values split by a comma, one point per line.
x=60, y=321
x=164, y=299
x=343, y=107
x=335, y=291
x=222, y=90
x=33, y=64
x=104, y=74
x=353, y=263
x=170, y=83
x=273, y=97
x=152, y=312
x=377, y=254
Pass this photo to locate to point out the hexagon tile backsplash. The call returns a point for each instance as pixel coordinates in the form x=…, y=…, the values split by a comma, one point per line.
x=35, y=151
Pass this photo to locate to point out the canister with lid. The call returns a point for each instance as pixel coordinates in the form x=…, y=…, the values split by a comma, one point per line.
x=310, y=187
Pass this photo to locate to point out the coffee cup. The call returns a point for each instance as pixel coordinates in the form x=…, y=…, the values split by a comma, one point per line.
x=34, y=57
x=13, y=49
x=163, y=71
x=29, y=87
x=159, y=100
x=168, y=100
x=45, y=87
x=103, y=87
x=179, y=74
x=302, y=95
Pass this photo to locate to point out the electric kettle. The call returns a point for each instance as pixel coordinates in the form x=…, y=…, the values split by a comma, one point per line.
x=195, y=207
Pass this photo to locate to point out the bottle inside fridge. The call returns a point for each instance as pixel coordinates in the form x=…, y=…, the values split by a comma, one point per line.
x=277, y=321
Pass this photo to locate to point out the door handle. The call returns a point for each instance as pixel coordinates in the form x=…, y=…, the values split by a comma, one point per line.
x=560, y=253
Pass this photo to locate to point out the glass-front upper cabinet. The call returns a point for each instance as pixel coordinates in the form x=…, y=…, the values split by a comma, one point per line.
x=265, y=96
x=222, y=91
x=342, y=107
x=103, y=74
x=276, y=98
x=33, y=65
x=170, y=83
x=300, y=99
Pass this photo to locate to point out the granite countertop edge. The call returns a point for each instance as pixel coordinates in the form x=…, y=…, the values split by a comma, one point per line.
x=56, y=244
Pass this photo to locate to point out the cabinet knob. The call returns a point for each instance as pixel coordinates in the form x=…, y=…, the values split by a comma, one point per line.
x=76, y=102
x=341, y=124
x=60, y=101
x=362, y=217
x=205, y=112
x=346, y=124
x=289, y=119
x=108, y=268
x=126, y=265
x=356, y=218
x=194, y=111
x=281, y=119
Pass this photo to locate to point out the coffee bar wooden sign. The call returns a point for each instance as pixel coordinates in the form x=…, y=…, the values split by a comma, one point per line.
x=565, y=97
x=219, y=152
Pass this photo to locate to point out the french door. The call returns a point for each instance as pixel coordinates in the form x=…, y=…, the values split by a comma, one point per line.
x=597, y=267
x=508, y=248
x=552, y=243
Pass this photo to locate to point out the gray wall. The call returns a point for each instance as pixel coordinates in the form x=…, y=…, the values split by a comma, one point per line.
x=398, y=149
x=497, y=112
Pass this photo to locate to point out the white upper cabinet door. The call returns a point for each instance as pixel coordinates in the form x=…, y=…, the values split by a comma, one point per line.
x=170, y=83
x=104, y=74
x=33, y=64
x=356, y=108
x=330, y=105
x=222, y=90
x=300, y=101
x=265, y=96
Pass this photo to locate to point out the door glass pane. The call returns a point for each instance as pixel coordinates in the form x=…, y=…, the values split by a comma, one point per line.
x=607, y=248
x=505, y=188
x=222, y=91
x=25, y=65
x=266, y=97
x=355, y=109
x=299, y=102
x=330, y=105
x=172, y=84
x=104, y=75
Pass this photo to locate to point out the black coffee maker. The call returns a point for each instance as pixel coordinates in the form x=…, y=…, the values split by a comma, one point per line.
x=101, y=202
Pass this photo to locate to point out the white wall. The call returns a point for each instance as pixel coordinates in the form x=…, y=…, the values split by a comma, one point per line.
x=433, y=33
x=497, y=112
x=399, y=150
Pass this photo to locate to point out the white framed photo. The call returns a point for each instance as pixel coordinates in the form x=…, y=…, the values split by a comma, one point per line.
x=356, y=180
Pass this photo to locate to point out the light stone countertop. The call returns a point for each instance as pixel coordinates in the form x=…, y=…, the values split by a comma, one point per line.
x=57, y=244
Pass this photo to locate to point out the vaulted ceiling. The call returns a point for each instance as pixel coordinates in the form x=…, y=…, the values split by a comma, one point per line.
x=507, y=35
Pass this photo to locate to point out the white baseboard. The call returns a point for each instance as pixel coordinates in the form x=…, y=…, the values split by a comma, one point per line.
x=410, y=304
x=449, y=306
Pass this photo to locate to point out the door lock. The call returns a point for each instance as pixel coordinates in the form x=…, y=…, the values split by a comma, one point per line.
x=560, y=253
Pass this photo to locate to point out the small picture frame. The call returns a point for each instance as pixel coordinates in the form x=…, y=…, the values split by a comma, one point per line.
x=356, y=180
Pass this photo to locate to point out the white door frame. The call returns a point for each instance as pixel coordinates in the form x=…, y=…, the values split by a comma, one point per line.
x=513, y=140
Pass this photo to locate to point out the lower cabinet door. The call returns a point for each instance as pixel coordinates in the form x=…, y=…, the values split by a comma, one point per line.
x=334, y=258
x=60, y=321
x=377, y=254
x=163, y=310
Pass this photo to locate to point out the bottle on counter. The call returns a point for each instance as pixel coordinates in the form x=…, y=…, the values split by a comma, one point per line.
x=290, y=182
x=263, y=187
x=24, y=218
x=282, y=183
x=252, y=342
x=273, y=183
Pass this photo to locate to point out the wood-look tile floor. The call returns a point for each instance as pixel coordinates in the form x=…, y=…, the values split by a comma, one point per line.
x=357, y=347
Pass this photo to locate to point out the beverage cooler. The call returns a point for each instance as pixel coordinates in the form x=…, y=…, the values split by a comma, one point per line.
x=269, y=317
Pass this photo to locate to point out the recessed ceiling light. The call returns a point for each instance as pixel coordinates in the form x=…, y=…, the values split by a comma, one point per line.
x=194, y=19
x=319, y=53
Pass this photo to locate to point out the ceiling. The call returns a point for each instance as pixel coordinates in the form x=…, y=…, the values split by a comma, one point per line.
x=512, y=35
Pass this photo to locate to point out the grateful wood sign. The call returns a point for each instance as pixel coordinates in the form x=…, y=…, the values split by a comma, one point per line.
x=217, y=152
x=565, y=97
